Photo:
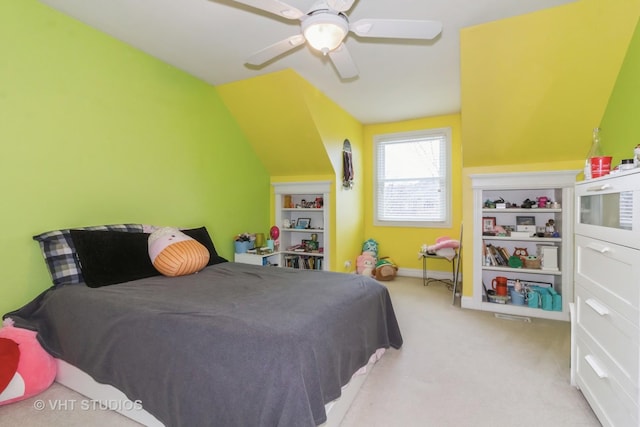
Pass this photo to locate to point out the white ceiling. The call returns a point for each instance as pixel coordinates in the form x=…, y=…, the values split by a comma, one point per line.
x=398, y=80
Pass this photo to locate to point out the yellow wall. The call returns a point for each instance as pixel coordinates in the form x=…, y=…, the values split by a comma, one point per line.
x=402, y=244
x=298, y=133
x=334, y=126
x=534, y=86
x=273, y=113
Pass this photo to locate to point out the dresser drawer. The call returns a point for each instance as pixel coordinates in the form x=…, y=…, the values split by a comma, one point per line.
x=610, y=402
x=608, y=208
x=611, y=272
x=610, y=331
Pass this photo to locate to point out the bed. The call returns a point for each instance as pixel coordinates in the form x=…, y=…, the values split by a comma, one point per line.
x=232, y=345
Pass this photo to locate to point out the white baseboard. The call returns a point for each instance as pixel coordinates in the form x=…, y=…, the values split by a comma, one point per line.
x=468, y=302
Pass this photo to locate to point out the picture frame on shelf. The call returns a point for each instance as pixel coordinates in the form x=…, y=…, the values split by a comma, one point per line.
x=303, y=223
x=509, y=228
x=525, y=220
x=488, y=225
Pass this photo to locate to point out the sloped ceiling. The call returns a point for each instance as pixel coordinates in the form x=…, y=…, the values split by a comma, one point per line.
x=272, y=112
x=535, y=95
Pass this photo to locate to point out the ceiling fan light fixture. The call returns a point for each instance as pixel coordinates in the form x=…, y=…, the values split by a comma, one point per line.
x=325, y=31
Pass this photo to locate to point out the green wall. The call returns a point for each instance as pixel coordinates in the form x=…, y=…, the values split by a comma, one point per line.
x=95, y=132
x=620, y=124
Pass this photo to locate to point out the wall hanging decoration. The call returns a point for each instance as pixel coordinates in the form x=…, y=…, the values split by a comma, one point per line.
x=347, y=165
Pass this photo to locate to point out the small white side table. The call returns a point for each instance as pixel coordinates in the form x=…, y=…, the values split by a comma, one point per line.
x=256, y=259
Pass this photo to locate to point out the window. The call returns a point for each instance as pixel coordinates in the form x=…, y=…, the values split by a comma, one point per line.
x=412, y=183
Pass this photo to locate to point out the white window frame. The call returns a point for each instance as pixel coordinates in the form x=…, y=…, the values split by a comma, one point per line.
x=445, y=135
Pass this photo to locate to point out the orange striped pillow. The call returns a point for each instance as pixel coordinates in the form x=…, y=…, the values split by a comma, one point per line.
x=173, y=253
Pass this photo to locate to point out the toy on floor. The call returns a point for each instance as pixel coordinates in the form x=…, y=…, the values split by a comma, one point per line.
x=386, y=269
x=26, y=369
x=365, y=264
x=370, y=246
x=368, y=264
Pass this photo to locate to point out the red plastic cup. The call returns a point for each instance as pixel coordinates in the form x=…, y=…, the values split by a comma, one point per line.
x=600, y=166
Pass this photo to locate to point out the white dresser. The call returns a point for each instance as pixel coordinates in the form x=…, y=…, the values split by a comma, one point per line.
x=606, y=329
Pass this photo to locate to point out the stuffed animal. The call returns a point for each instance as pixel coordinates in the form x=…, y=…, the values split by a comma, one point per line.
x=522, y=253
x=26, y=369
x=370, y=246
x=173, y=253
x=444, y=247
x=385, y=269
x=365, y=264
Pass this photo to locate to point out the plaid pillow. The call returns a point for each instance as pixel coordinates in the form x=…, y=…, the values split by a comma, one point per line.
x=60, y=254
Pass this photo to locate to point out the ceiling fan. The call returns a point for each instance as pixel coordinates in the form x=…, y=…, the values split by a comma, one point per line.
x=325, y=26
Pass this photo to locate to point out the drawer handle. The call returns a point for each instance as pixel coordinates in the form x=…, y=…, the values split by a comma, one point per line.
x=597, y=307
x=599, y=187
x=599, y=248
x=601, y=373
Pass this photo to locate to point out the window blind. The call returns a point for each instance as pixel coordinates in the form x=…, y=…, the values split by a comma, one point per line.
x=412, y=177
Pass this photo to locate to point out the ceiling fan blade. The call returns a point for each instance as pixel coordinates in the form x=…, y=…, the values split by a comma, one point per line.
x=396, y=28
x=343, y=62
x=275, y=50
x=274, y=6
x=340, y=5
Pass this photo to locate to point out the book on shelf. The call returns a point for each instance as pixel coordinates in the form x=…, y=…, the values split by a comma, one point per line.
x=489, y=259
x=505, y=254
x=499, y=256
x=495, y=255
x=303, y=262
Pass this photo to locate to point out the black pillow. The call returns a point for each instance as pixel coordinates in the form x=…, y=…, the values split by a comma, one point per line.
x=202, y=235
x=111, y=257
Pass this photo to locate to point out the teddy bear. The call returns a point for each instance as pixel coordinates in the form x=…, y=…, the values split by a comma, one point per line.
x=26, y=369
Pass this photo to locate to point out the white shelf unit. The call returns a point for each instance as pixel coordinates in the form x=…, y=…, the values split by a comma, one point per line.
x=308, y=192
x=515, y=188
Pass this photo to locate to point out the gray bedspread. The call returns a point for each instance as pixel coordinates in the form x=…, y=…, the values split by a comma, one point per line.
x=233, y=345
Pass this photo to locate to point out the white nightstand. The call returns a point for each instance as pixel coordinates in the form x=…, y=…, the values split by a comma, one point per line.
x=254, y=259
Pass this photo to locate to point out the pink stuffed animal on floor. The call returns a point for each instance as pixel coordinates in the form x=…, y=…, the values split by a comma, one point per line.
x=26, y=369
x=365, y=264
